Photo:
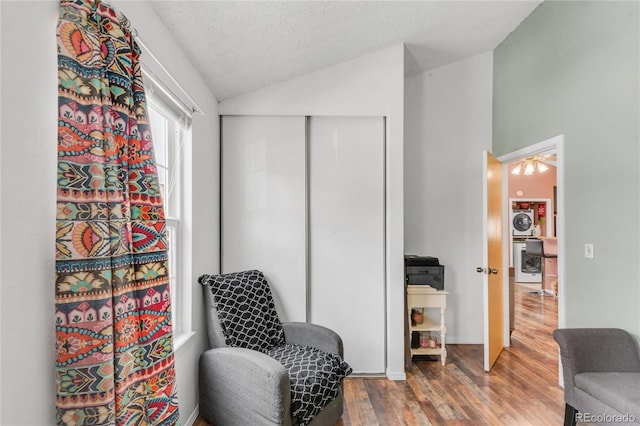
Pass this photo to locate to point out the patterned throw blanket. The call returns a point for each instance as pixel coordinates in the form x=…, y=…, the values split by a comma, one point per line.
x=249, y=320
x=315, y=378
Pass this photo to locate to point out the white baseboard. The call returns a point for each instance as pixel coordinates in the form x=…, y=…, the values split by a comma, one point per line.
x=393, y=375
x=464, y=340
x=193, y=417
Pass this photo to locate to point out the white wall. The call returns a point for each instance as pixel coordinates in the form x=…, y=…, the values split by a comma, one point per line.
x=28, y=188
x=447, y=126
x=572, y=68
x=29, y=143
x=370, y=85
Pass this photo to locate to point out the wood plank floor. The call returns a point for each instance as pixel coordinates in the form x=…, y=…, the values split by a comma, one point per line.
x=522, y=388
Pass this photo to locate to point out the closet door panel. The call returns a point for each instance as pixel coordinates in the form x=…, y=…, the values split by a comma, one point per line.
x=264, y=205
x=346, y=228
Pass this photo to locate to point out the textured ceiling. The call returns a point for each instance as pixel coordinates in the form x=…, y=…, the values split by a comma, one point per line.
x=241, y=46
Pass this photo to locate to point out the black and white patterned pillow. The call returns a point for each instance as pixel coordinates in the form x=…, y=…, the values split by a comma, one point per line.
x=246, y=310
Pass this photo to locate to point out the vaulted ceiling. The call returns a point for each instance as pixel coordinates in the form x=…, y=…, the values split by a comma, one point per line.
x=241, y=46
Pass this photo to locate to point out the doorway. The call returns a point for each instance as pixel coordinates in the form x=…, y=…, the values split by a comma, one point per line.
x=556, y=213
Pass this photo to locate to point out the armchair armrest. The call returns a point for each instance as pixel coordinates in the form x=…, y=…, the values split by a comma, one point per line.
x=241, y=387
x=305, y=334
x=594, y=350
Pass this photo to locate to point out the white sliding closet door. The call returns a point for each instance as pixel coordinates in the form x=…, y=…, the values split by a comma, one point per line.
x=264, y=205
x=346, y=246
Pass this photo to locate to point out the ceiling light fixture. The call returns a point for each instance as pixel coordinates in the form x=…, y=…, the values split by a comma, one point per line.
x=529, y=165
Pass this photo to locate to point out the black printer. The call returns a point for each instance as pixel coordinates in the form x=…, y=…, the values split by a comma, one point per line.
x=424, y=270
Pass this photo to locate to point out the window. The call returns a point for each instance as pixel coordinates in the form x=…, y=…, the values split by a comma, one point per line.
x=170, y=128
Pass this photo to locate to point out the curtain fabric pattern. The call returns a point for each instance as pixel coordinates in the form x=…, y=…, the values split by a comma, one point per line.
x=113, y=318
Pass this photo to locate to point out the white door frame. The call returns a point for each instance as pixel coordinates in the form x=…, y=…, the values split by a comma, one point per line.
x=555, y=143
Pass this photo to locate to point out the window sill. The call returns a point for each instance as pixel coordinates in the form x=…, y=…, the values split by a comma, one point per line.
x=179, y=342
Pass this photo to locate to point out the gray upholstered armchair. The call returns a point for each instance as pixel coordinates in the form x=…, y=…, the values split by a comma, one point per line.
x=601, y=370
x=242, y=384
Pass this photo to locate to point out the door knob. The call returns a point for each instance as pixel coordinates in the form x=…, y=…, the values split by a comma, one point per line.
x=480, y=270
x=493, y=271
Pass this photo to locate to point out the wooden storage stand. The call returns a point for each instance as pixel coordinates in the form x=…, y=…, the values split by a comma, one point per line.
x=423, y=296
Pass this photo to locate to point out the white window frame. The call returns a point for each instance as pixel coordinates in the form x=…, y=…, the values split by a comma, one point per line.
x=178, y=132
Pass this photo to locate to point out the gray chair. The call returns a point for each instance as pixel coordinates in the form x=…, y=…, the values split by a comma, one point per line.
x=601, y=371
x=241, y=386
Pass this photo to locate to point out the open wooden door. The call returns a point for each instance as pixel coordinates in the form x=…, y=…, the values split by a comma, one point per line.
x=492, y=260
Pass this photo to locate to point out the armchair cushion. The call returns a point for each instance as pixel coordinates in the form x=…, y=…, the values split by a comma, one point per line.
x=620, y=391
x=315, y=377
x=246, y=310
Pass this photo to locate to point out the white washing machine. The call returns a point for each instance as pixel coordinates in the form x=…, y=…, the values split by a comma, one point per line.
x=528, y=269
x=522, y=223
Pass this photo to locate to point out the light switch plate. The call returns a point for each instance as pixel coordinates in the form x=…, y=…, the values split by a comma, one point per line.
x=588, y=251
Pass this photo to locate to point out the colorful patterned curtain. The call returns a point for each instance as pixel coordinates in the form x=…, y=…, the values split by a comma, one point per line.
x=113, y=318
